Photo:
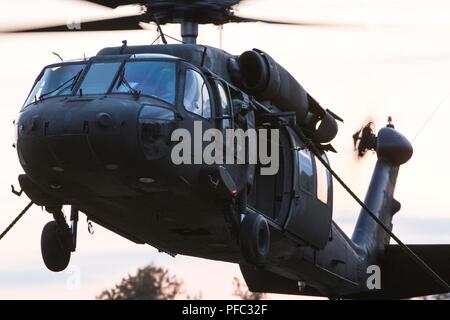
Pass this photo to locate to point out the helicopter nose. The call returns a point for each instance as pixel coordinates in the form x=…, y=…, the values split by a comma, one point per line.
x=78, y=134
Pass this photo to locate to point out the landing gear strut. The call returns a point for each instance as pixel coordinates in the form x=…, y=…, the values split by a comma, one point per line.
x=58, y=240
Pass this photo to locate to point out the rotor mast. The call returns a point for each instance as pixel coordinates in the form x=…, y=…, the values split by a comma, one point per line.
x=189, y=32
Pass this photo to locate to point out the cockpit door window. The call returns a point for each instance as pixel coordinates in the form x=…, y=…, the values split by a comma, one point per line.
x=196, y=94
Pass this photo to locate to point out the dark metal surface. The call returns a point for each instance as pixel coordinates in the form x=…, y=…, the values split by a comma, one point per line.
x=123, y=23
x=115, y=3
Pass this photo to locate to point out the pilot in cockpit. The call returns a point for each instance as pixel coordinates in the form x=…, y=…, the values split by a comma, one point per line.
x=160, y=83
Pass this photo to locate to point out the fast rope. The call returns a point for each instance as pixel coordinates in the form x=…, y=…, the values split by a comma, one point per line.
x=16, y=219
x=404, y=247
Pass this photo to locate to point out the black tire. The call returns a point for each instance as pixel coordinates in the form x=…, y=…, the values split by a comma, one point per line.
x=55, y=253
x=254, y=239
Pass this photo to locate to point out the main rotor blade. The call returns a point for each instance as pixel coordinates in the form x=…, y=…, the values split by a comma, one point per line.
x=235, y=18
x=115, y=3
x=122, y=23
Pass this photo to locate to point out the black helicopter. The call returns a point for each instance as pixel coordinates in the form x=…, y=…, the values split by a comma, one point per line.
x=95, y=134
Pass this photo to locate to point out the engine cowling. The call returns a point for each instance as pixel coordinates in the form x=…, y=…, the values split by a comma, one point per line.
x=259, y=75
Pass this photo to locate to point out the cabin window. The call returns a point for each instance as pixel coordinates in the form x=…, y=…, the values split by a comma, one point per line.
x=196, y=95
x=306, y=170
x=224, y=105
x=99, y=77
x=323, y=179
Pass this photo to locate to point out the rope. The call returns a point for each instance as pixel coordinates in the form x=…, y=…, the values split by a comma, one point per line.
x=405, y=248
x=16, y=219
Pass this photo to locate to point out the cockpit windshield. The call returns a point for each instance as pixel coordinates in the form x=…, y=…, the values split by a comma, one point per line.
x=156, y=79
x=56, y=81
x=99, y=77
x=153, y=78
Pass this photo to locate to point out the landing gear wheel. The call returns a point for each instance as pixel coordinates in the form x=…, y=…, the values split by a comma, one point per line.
x=254, y=239
x=54, y=248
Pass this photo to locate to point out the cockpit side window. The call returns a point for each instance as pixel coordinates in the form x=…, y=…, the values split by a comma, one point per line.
x=225, y=105
x=323, y=180
x=306, y=170
x=196, y=94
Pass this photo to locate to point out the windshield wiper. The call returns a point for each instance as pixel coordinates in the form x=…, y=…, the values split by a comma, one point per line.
x=72, y=81
x=125, y=82
x=76, y=79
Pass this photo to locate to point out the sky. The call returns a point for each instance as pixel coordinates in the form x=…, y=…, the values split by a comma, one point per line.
x=396, y=63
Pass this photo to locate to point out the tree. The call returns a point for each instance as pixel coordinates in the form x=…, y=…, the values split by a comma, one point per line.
x=150, y=283
x=242, y=291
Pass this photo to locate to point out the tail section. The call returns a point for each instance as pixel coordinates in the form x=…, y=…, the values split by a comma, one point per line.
x=400, y=282
x=397, y=282
x=393, y=149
